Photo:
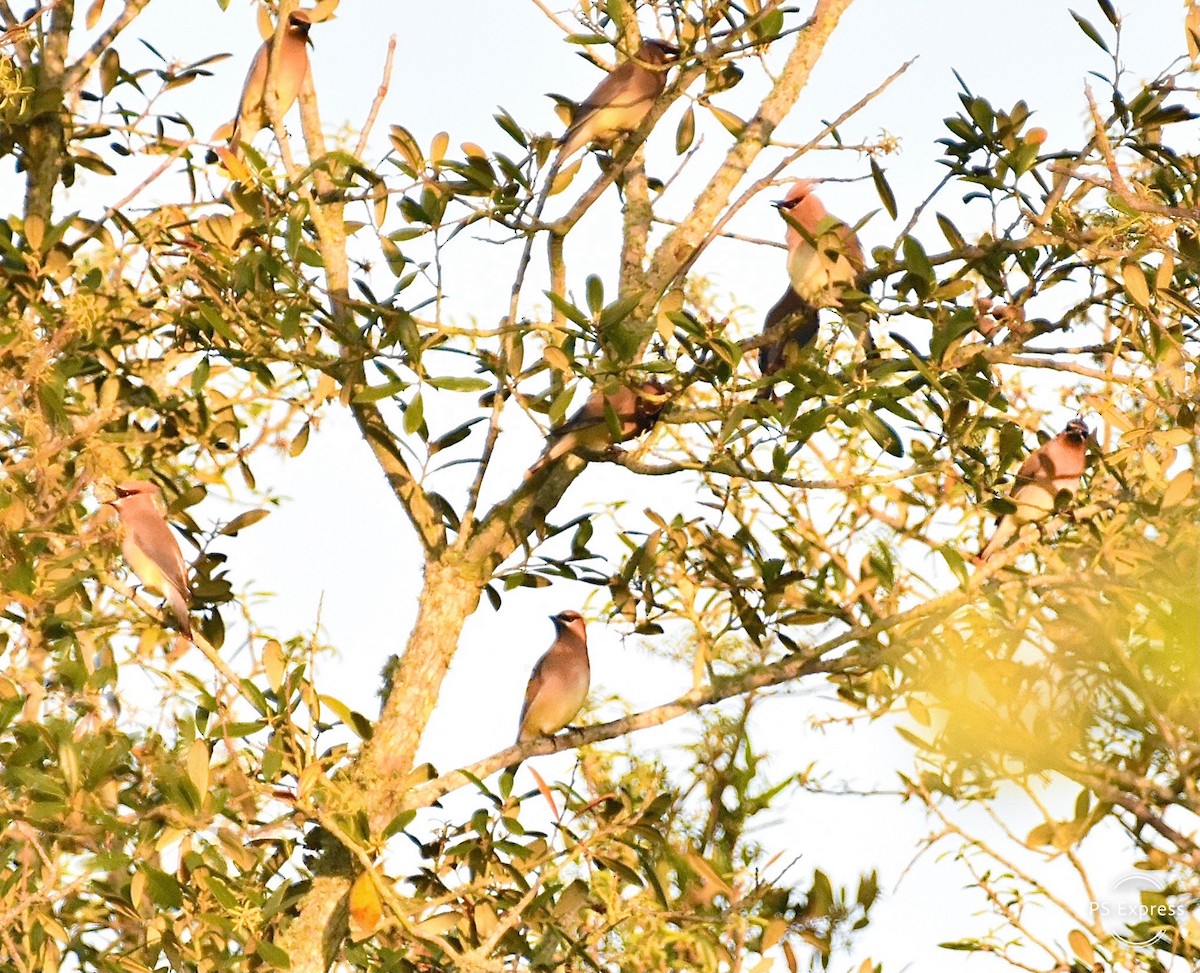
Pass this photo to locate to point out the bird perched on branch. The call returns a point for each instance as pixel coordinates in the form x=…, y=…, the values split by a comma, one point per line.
x=607, y=418
x=559, y=682
x=150, y=549
x=1056, y=465
x=825, y=259
x=621, y=101
x=289, y=78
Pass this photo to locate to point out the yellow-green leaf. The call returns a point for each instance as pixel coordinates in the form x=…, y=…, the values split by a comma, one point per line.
x=274, y=664
x=1179, y=489
x=94, y=13
x=366, y=911
x=197, y=767
x=1081, y=946
x=686, y=132
x=1136, y=286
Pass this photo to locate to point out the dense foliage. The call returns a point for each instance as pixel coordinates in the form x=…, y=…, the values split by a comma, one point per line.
x=183, y=340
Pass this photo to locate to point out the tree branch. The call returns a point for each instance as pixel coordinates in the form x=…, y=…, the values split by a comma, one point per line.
x=788, y=669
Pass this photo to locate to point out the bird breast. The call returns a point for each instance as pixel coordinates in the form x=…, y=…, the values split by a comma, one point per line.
x=816, y=277
x=563, y=692
x=142, y=565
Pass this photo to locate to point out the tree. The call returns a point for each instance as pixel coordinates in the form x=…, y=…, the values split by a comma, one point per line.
x=181, y=340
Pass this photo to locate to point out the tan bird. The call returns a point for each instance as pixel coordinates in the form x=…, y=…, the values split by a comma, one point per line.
x=289, y=77
x=607, y=418
x=621, y=101
x=1056, y=465
x=150, y=549
x=825, y=259
x=559, y=682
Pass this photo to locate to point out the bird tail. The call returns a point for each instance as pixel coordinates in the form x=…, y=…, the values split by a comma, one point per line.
x=569, y=144
x=1006, y=526
x=179, y=607
x=799, y=323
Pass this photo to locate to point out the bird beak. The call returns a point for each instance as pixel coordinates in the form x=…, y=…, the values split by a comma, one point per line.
x=780, y=203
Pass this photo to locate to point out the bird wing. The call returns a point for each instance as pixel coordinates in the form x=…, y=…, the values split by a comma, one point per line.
x=250, y=106
x=157, y=542
x=1038, y=465
x=536, y=680
x=628, y=87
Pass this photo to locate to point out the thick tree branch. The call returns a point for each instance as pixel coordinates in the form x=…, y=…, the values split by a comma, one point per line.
x=675, y=251
x=796, y=666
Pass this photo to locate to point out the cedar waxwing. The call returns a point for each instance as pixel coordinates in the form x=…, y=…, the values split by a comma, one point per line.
x=823, y=260
x=1057, y=464
x=621, y=101
x=150, y=549
x=590, y=430
x=293, y=67
x=559, y=682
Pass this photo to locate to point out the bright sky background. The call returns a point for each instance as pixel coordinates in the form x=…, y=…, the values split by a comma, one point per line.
x=340, y=549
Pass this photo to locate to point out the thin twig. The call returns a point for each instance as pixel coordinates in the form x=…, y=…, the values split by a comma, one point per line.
x=380, y=94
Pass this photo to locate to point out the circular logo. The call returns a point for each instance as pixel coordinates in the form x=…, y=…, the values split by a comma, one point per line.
x=1140, y=912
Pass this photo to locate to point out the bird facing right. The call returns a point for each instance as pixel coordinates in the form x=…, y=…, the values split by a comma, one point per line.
x=621, y=102
x=558, y=685
x=589, y=432
x=1056, y=465
x=293, y=68
x=825, y=258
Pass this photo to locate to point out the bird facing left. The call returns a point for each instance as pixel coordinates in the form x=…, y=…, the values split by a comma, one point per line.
x=150, y=549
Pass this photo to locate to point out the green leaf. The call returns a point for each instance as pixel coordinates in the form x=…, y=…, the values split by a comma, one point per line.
x=883, y=189
x=162, y=888
x=242, y=521
x=460, y=383
x=916, y=261
x=950, y=232
x=594, y=288
x=1091, y=32
x=414, y=414
x=618, y=310
x=685, y=134
x=568, y=310
x=110, y=70
x=352, y=719
x=882, y=433
x=403, y=142
x=270, y=953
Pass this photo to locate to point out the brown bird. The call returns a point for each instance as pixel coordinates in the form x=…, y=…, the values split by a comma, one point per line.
x=289, y=77
x=559, y=682
x=150, y=549
x=621, y=101
x=607, y=418
x=825, y=258
x=1056, y=465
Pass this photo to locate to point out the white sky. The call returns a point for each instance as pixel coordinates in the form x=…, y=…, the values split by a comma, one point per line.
x=341, y=546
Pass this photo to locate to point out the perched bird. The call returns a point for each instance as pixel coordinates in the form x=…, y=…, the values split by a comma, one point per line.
x=559, y=682
x=621, y=101
x=825, y=258
x=607, y=418
x=1057, y=464
x=150, y=549
x=289, y=77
